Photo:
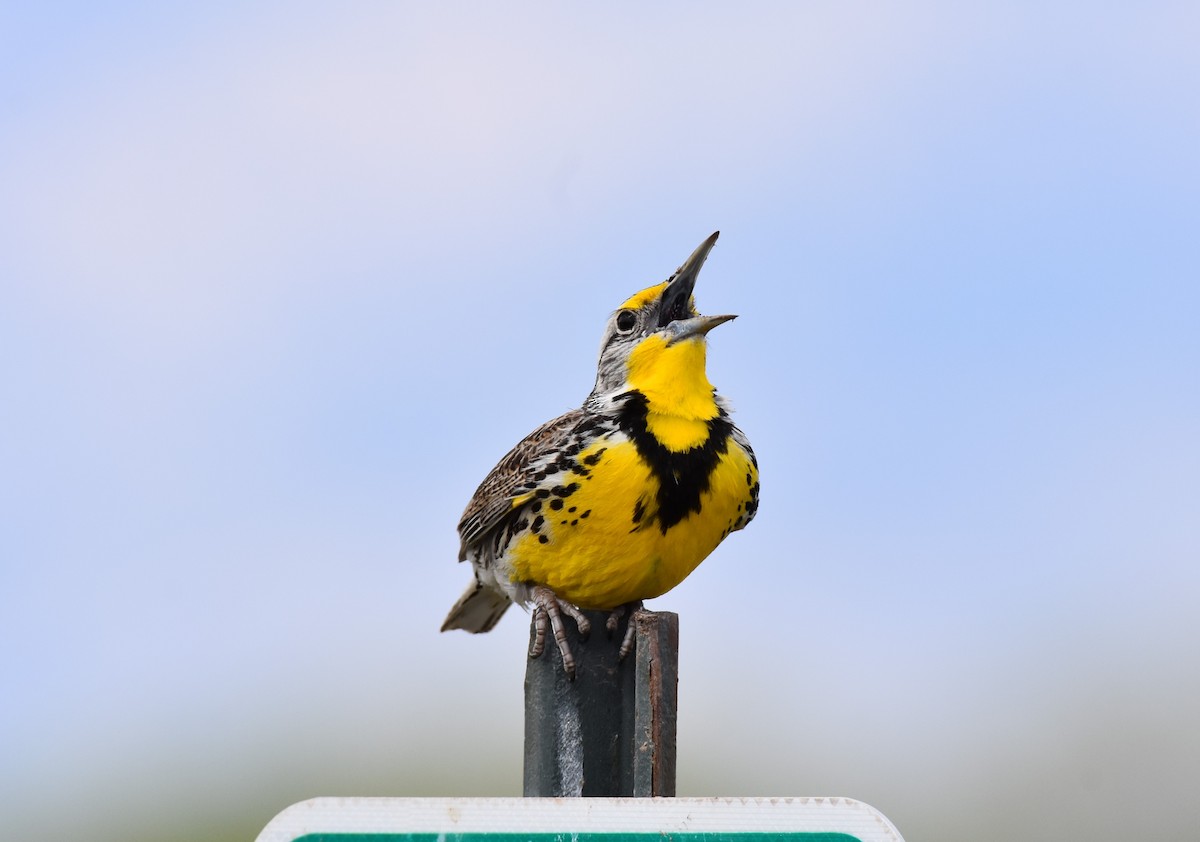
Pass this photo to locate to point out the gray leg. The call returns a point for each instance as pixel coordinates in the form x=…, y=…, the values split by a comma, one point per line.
x=547, y=606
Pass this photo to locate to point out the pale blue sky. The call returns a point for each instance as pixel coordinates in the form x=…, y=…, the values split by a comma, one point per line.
x=281, y=282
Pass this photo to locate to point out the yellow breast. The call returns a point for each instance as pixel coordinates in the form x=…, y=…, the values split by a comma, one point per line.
x=599, y=542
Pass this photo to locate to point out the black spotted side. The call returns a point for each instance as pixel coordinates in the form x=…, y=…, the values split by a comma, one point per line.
x=547, y=467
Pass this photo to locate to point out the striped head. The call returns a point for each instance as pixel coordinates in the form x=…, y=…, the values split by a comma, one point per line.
x=655, y=344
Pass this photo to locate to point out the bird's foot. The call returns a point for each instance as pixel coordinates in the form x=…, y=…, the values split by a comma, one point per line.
x=614, y=621
x=548, y=610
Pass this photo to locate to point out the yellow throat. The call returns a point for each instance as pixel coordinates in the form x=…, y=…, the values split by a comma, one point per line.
x=679, y=398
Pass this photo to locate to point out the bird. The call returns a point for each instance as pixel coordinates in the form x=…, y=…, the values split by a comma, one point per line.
x=619, y=500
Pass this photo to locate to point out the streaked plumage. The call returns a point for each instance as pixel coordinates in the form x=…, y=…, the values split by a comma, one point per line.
x=619, y=500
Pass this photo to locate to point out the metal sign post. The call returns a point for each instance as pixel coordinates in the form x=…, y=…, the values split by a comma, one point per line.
x=611, y=731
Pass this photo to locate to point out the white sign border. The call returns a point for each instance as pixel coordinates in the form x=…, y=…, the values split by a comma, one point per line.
x=578, y=815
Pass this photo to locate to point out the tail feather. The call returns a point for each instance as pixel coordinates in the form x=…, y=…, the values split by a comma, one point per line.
x=477, y=610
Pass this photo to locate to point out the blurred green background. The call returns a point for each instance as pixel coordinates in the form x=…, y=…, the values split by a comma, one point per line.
x=282, y=281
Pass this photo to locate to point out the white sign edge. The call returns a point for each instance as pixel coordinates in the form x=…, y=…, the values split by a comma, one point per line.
x=577, y=815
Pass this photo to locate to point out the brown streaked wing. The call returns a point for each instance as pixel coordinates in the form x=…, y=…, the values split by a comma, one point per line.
x=493, y=499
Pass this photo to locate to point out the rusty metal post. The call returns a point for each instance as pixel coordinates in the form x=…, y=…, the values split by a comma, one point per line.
x=655, y=692
x=611, y=731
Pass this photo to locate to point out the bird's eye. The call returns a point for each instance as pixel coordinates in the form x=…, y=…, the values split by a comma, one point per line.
x=626, y=321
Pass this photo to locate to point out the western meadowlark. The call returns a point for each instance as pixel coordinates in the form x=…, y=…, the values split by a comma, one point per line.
x=619, y=500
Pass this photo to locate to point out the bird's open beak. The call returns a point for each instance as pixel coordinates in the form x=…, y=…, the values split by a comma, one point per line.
x=695, y=326
x=675, y=313
x=677, y=298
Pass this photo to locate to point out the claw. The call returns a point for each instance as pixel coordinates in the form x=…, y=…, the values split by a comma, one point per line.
x=547, y=606
x=584, y=624
x=614, y=621
x=627, y=643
